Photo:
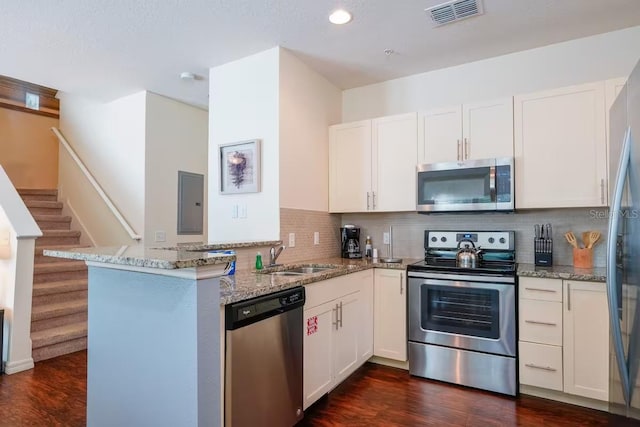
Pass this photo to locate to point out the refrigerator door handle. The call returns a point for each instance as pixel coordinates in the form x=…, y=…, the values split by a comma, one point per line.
x=614, y=219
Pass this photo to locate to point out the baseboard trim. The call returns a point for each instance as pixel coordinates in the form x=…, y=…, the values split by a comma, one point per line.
x=564, y=397
x=390, y=362
x=18, y=366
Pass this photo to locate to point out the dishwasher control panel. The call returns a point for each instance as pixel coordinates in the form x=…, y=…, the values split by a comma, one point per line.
x=253, y=310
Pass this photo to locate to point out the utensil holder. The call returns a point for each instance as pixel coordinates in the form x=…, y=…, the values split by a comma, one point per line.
x=583, y=257
x=543, y=252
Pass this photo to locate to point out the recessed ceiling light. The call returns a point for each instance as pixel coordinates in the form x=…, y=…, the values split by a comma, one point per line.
x=340, y=17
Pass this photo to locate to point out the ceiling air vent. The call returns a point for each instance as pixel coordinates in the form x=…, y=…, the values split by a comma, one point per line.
x=453, y=11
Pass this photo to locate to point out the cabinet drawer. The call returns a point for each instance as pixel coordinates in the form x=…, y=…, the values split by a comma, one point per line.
x=541, y=365
x=540, y=289
x=541, y=321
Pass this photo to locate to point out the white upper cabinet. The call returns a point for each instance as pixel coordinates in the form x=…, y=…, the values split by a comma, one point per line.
x=487, y=129
x=479, y=130
x=560, y=150
x=395, y=158
x=350, y=166
x=440, y=135
x=372, y=165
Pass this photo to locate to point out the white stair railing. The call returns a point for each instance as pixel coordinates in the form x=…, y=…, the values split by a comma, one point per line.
x=114, y=210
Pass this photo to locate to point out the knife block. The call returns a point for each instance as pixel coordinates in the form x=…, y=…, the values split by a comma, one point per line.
x=583, y=258
x=543, y=255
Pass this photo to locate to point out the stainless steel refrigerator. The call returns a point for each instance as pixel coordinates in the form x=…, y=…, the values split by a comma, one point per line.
x=623, y=250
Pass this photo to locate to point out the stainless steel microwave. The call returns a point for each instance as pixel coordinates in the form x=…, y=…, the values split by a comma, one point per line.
x=473, y=185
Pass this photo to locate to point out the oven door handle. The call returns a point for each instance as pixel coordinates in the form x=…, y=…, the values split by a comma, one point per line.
x=416, y=283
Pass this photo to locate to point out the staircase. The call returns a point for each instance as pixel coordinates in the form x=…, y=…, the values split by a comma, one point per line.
x=59, y=308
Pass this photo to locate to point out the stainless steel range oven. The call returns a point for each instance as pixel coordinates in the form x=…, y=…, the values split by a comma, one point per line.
x=462, y=321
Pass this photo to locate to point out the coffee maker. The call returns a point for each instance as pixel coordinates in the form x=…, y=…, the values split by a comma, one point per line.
x=350, y=235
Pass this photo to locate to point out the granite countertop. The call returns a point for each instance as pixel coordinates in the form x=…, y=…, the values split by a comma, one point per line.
x=249, y=284
x=139, y=256
x=567, y=272
x=203, y=247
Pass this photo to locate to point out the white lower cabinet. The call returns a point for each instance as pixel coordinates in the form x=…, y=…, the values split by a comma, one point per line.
x=338, y=331
x=390, y=314
x=564, y=336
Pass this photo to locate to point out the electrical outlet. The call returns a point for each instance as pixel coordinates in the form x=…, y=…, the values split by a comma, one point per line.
x=161, y=236
x=385, y=238
x=292, y=240
x=316, y=238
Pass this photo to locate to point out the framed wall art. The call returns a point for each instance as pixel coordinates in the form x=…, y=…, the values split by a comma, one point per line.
x=240, y=167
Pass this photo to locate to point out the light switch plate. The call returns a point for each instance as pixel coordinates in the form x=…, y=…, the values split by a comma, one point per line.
x=292, y=240
x=316, y=238
x=243, y=211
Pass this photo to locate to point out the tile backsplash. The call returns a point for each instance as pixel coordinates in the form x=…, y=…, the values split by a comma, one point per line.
x=304, y=223
x=408, y=229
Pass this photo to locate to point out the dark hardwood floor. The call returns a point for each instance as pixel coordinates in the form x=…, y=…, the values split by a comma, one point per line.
x=54, y=394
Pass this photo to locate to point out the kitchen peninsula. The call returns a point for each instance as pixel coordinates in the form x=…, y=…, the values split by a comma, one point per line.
x=153, y=335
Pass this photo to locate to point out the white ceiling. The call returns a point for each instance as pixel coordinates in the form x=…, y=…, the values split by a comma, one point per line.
x=108, y=49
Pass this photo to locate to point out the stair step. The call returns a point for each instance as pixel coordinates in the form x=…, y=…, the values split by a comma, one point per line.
x=53, y=222
x=54, y=298
x=60, y=286
x=58, y=237
x=54, y=322
x=38, y=207
x=60, y=309
x=59, y=334
x=60, y=349
x=38, y=194
x=57, y=271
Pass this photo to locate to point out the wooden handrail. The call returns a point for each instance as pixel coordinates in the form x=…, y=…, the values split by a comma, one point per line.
x=114, y=210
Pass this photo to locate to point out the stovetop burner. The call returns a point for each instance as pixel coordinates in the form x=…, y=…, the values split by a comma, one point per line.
x=498, y=254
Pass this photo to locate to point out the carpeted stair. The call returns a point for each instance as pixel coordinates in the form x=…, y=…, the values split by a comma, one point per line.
x=59, y=309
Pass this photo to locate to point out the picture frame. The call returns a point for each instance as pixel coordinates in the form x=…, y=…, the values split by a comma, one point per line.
x=240, y=167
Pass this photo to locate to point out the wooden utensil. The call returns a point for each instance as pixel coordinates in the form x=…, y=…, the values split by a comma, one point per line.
x=594, y=236
x=571, y=238
x=586, y=239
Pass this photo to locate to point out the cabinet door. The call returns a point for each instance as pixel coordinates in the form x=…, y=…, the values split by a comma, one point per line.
x=345, y=338
x=365, y=335
x=586, y=340
x=487, y=129
x=318, y=330
x=390, y=315
x=560, y=150
x=440, y=135
x=350, y=167
x=395, y=157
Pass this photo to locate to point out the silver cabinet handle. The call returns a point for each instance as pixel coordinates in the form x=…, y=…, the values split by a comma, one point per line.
x=568, y=296
x=367, y=200
x=541, y=290
x=458, y=151
x=337, y=322
x=466, y=149
x=535, y=322
x=341, y=314
x=373, y=198
x=544, y=368
x=401, y=287
x=602, y=191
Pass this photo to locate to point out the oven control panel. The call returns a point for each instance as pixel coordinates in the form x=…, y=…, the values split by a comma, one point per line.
x=500, y=240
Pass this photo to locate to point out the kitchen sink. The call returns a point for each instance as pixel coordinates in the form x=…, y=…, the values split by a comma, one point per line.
x=308, y=270
x=285, y=273
x=299, y=270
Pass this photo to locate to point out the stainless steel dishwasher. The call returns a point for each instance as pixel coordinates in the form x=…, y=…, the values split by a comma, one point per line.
x=263, y=364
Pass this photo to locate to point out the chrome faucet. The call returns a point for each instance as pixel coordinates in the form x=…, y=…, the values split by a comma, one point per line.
x=274, y=254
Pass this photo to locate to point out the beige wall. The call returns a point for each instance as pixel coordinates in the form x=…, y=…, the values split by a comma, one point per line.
x=28, y=149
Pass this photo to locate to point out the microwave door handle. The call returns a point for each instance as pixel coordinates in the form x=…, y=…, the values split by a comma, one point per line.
x=492, y=183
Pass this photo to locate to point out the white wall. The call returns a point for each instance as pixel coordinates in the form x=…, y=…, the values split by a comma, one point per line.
x=176, y=139
x=309, y=104
x=243, y=105
x=110, y=140
x=583, y=60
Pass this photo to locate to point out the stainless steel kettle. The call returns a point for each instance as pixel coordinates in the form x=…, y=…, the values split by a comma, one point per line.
x=468, y=257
